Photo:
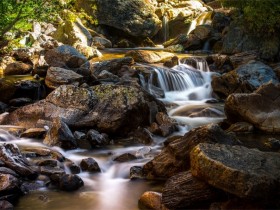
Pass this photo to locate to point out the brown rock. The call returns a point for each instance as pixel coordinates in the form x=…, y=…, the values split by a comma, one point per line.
x=183, y=191
x=145, y=56
x=260, y=108
x=247, y=173
x=58, y=76
x=151, y=200
x=17, y=68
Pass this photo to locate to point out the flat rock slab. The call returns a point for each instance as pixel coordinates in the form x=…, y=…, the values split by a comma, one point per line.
x=247, y=173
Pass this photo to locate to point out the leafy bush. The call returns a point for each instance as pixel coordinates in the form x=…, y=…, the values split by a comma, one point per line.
x=260, y=16
x=17, y=14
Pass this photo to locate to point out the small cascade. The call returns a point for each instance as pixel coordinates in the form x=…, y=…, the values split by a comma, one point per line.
x=197, y=63
x=203, y=19
x=165, y=27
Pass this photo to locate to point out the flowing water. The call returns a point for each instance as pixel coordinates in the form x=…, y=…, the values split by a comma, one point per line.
x=203, y=18
x=165, y=27
x=186, y=87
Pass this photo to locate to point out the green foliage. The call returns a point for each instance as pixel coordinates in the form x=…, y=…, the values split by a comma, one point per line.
x=260, y=16
x=17, y=14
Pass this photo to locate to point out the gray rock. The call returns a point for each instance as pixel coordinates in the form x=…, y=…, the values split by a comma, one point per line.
x=70, y=182
x=60, y=135
x=247, y=173
x=89, y=164
x=97, y=139
x=58, y=76
x=125, y=157
x=244, y=79
x=261, y=108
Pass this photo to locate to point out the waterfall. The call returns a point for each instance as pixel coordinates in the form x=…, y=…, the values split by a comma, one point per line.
x=203, y=18
x=165, y=27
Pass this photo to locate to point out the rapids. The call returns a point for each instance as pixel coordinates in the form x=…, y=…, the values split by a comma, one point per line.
x=185, y=88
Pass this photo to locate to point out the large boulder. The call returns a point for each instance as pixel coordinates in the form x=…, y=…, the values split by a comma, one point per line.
x=247, y=173
x=175, y=157
x=117, y=105
x=261, y=108
x=134, y=17
x=244, y=79
x=65, y=56
x=66, y=102
x=107, y=108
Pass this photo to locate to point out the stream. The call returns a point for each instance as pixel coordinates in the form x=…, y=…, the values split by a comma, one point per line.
x=185, y=89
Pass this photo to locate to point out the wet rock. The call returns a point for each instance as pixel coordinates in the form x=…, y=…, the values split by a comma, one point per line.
x=243, y=58
x=171, y=62
x=11, y=156
x=106, y=76
x=65, y=56
x=4, y=170
x=47, y=162
x=244, y=79
x=175, y=157
x=183, y=191
x=136, y=173
x=33, y=133
x=139, y=20
x=97, y=139
x=125, y=157
x=70, y=182
x=89, y=164
x=219, y=63
x=145, y=56
x=87, y=51
x=143, y=152
x=164, y=125
x=27, y=187
x=197, y=37
x=58, y=76
x=73, y=167
x=241, y=127
x=8, y=184
x=117, y=105
x=247, y=173
x=17, y=68
x=82, y=141
x=151, y=200
x=17, y=102
x=260, y=108
x=6, y=205
x=113, y=66
x=30, y=88
x=51, y=171
x=60, y=135
x=142, y=135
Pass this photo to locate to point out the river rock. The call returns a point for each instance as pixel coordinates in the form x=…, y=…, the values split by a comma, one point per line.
x=139, y=19
x=17, y=68
x=145, y=56
x=17, y=102
x=117, y=105
x=183, y=191
x=65, y=56
x=135, y=172
x=7, y=90
x=11, y=156
x=247, y=173
x=97, y=139
x=125, y=157
x=260, y=108
x=33, y=133
x=4, y=170
x=113, y=66
x=6, y=205
x=101, y=42
x=72, y=30
x=51, y=171
x=220, y=21
x=8, y=183
x=70, y=182
x=60, y=135
x=89, y=164
x=151, y=200
x=175, y=157
x=58, y=76
x=241, y=127
x=244, y=79
x=73, y=167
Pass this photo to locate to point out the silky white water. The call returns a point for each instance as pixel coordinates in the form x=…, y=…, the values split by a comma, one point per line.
x=185, y=88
